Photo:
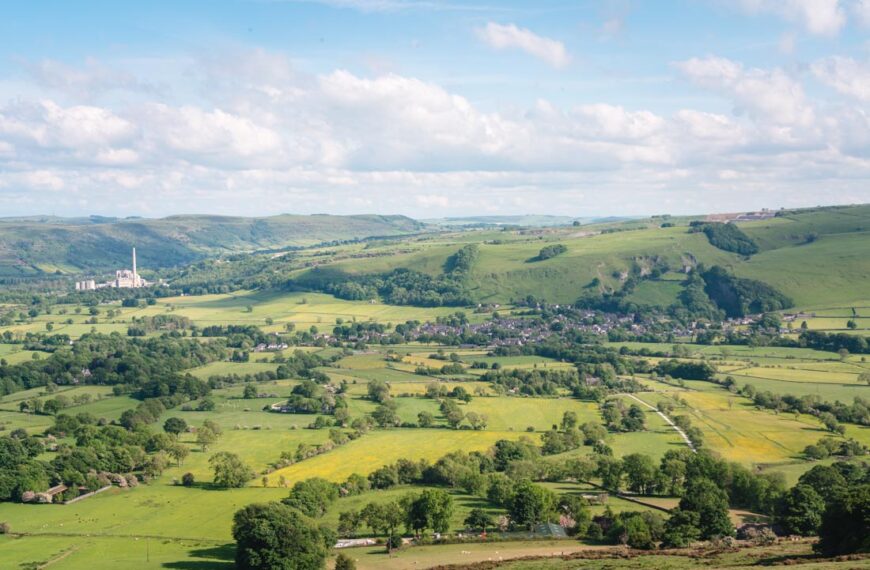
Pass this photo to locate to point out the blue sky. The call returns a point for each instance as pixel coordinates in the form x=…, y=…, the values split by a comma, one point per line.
x=432, y=108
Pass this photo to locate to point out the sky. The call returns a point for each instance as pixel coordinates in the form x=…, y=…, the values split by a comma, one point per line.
x=432, y=108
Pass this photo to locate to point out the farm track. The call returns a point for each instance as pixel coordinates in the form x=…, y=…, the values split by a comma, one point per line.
x=59, y=557
x=667, y=420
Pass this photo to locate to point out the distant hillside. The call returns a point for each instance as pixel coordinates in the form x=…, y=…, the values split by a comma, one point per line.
x=45, y=244
x=815, y=256
x=523, y=221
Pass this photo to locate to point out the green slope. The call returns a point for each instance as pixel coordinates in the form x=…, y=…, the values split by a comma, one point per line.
x=835, y=268
x=30, y=246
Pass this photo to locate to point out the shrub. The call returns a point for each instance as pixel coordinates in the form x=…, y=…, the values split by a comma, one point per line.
x=344, y=562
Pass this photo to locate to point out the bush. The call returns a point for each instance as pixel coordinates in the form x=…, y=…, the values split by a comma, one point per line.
x=550, y=251
x=344, y=562
x=727, y=237
x=395, y=541
x=188, y=480
x=5, y=528
x=595, y=532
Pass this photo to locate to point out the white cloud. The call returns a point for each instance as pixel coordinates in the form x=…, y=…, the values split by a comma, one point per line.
x=43, y=179
x=768, y=96
x=846, y=75
x=820, y=17
x=194, y=130
x=47, y=124
x=91, y=79
x=395, y=5
x=509, y=36
x=861, y=11
x=265, y=137
x=429, y=200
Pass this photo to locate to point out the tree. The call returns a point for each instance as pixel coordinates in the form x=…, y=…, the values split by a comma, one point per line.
x=824, y=480
x=800, y=511
x=205, y=437
x=175, y=426
x=349, y=522
x=479, y=519
x=438, y=505
x=530, y=504
x=341, y=415
x=188, y=479
x=574, y=510
x=710, y=501
x=593, y=432
x=830, y=422
x=250, y=392
x=385, y=415
x=611, y=471
x=312, y=496
x=378, y=391
x=864, y=377
x=229, y=470
x=632, y=529
x=569, y=421
x=681, y=529
x=640, y=472
x=476, y=421
x=178, y=452
x=425, y=419
x=384, y=518
x=454, y=418
x=416, y=518
x=845, y=524
x=273, y=536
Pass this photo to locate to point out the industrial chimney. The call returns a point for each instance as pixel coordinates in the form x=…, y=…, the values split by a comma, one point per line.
x=135, y=275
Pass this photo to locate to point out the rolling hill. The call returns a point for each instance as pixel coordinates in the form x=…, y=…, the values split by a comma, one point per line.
x=816, y=256
x=35, y=246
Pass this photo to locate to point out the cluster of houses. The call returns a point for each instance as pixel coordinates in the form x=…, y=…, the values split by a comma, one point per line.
x=764, y=214
x=271, y=347
x=517, y=331
x=58, y=493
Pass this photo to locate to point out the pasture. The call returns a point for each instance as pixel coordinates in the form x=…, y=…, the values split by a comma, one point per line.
x=301, y=310
x=378, y=448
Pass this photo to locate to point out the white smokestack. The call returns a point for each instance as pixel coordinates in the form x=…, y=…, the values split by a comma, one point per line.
x=134, y=263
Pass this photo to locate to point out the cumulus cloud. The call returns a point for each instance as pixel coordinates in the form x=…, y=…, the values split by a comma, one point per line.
x=844, y=74
x=265, y=137
x=396, y=5
x=509, y=36
x=766, y=95
x=78, y=129
x=820, y=17
x=87, y=81
x=861, y=10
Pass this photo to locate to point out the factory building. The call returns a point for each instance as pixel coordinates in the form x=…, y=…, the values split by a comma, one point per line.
x=124, y=279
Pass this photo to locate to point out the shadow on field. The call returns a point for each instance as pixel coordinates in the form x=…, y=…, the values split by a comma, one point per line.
x=789, y=559
x=215, y=558
x=205, y=486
